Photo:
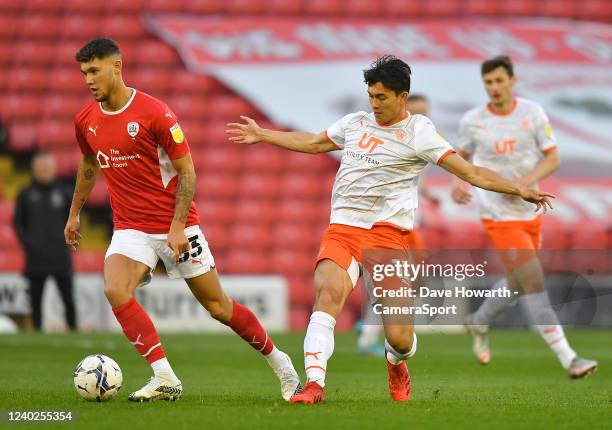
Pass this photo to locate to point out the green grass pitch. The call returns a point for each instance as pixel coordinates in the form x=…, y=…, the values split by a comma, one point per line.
x=227, y=385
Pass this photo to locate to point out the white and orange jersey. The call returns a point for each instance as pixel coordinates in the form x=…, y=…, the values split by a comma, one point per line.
x=377, y=181
x=512, y=145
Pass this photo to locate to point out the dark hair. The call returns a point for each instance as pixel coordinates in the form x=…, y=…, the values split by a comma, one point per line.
x=417, y=97
x=97, y=48
x=390, y=71
x=495, y=62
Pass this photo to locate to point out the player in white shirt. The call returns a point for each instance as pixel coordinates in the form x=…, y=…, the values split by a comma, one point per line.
x=371, y=324
x=374, y=202
x=513, y=136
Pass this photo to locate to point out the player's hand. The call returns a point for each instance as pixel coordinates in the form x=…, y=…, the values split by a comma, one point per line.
x=539, y=198
x=244, y=133
x=460, y=193
x=177, y=241
x=71, y=232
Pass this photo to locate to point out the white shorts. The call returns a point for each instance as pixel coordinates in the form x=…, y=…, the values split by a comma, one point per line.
x=149, y=248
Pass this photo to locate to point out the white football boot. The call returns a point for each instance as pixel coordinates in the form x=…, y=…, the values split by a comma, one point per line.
x=480, y=339
x=158, y=389
x=581, y=367
x=289, y=379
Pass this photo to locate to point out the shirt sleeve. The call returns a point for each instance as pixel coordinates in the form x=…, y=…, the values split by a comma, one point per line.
x=169, y=133
x=83, y=145
x=336, y=133
x=430, y=146
x=545, y=138
x=465, y=143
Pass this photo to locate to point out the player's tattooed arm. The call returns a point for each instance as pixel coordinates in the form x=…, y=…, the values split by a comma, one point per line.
x=185, y=190
x=184, y=195
x=85, y=181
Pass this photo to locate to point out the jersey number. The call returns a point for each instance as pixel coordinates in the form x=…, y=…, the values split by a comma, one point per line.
x=371, y=143
x=195, y=247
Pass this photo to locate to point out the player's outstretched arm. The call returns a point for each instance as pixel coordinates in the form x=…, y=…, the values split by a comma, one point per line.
x=177, y=240
x=250, y=132
x=487, y=179
x=85, y=181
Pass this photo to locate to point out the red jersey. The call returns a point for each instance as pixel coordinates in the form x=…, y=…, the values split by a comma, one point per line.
x=134, y=147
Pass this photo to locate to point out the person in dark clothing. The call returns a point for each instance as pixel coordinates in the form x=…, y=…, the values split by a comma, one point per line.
x=40, y=215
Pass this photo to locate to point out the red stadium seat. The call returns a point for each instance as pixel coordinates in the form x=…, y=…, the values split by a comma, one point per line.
x=402, y=8
x=6, y=57
x=67, y=161
x=65, y=53
x=558, y=8
x=164, y=6
x=34, y=53
x=55, y=134
x=303, y=185
x=292, y=209
x=85, y=6
x=152, y=81
x=599, y=10
x=9, y=27
x=284, y=7
x=203, y=7
x=197, y=136
x=23, y=136
x=8, y=237
x=555, y=234
x=324, y=7
x=27, y=80
x=432, y=237
x=7, y=209
x=69, y=81
x=156, y=53
x=21, y=107
x=346, y=321
x=221, y=159
x=3, y=79
x=296, y=236
x=11, y=260
x=189, y=107
x=121, y=6
x=80, y=27
x=248, y=211
x=215, y=211
x=481, y=7
x=45, y=6
x=591, y=235
x=245, y=7
x=229, y=107
x=292, y=262
x=216, y=234
x=297, y=162
x=89, y=261
x=250, y=235
x=299, y=316
x=185, y=82
x=216, y=186
x=260, y=186
x=261, y=158
x=301, y=291
x=464, y=236
x=123, y=27
x=63, y=106
x=99, y=195
x=369, y=8
x=40, y=27
x=241, y=261
x=10, y=6
x=519, y=7
x=441, y=7
x=215, y=135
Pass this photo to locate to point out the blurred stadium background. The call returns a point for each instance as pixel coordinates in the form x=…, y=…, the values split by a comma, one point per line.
x=297, y=64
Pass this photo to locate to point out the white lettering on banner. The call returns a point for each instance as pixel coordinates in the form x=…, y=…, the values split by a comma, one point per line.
x=251, y=45
x=373, y=39
x=493, y=42
x=591, y=47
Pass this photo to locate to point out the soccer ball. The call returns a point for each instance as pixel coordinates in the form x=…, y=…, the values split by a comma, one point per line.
x=97, y=378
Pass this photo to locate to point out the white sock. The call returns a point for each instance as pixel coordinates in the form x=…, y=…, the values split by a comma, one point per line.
x=493, y=306
x=161, y=368
x=369, y=335
x=543, y=317
x=318, y=346
x=277, y=359
x=394, y=357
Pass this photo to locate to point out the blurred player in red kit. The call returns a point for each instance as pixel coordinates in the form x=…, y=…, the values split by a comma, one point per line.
x=138, y=144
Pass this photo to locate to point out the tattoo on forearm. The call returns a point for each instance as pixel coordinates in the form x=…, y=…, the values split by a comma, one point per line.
x=86, y=178
x=89, y=174
x=184, y=196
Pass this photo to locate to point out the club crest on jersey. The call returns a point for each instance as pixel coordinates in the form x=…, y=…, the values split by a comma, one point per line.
x=400, y=134
x=177, y=133
x=132, y=129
